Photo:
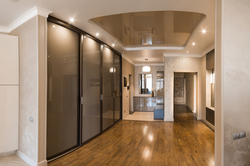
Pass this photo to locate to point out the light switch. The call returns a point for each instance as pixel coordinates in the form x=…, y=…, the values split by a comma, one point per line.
x=239, y=135
x=242, y=134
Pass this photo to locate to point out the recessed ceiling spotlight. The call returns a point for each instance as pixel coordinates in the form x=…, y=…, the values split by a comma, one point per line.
x=204, y=31
x=187, y=51
x=97, y=34
x=54, y=26
x=72, y=20
x=84, y=36
x=113, y=45
x=193, y=43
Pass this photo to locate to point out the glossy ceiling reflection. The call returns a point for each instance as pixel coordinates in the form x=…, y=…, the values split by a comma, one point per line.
x=157, y=28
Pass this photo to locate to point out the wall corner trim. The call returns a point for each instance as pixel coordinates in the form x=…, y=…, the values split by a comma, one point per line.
x=25, y=17
x=169, y=119
x=4, y=29
x=128, y=59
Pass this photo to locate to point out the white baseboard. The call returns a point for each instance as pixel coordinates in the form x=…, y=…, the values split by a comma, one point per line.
x=169, y=119
x=30, y=161
x=207, y=123
x=26, y=158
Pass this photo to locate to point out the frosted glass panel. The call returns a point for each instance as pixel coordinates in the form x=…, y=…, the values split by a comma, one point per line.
x=108, y=112
x=117, y=91
x=63, y=90
x=91, y=89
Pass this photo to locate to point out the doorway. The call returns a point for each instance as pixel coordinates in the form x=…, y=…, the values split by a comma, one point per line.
x=185, y=93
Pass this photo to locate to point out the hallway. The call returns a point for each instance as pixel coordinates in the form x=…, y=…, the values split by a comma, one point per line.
x=185, y=142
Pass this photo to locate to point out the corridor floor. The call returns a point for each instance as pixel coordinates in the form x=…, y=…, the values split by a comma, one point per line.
x=141, y=116
x=184, y=142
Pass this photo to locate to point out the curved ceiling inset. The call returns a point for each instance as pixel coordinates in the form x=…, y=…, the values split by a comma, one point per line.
x=155, y=29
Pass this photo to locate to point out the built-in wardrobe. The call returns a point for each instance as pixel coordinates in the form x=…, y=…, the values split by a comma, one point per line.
x=84, y=88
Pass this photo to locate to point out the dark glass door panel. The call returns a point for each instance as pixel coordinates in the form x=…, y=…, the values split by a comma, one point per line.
x=117, y=90
x=91, y=118
x=72, y=75
x=63, y=90
x=107, y=88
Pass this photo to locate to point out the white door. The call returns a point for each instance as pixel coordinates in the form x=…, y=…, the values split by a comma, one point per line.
x=9, y=93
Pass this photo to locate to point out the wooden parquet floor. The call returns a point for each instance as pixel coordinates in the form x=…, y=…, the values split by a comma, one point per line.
x=184, y=142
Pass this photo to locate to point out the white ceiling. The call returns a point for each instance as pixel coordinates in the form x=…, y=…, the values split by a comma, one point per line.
x=82, y=11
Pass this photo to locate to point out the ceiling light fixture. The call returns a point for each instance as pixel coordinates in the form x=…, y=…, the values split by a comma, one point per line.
x=204, y=31
x=113, y=45
x=54, y=26
x=146, y=68
x=193, y=43
x=187, y=51
x=72, y=20
x=97, y=34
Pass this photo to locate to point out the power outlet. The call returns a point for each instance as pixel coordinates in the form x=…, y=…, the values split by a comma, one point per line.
x=239, y=135
x=31, y=119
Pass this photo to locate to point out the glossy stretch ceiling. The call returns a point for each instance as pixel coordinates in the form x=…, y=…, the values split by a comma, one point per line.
x=84, y=11
x=154, y=28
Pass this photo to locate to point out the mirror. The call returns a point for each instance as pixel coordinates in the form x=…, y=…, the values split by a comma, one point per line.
x=145, y=83
x=160, y=83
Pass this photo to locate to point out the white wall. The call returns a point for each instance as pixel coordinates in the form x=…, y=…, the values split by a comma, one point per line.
x=180, y=64
x=190, y=89
x=232, y=82
x=127, y=69
x=33, y=89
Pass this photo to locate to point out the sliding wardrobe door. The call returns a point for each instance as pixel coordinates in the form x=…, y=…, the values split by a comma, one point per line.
x=91, y=82
x=117, y=90
x=63, y=90
x=107, y=88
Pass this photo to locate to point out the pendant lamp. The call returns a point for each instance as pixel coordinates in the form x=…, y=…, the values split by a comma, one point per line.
x=146, y=68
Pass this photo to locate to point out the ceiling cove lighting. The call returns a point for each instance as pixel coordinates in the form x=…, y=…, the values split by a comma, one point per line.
x=146, y=68
x=72, y=20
